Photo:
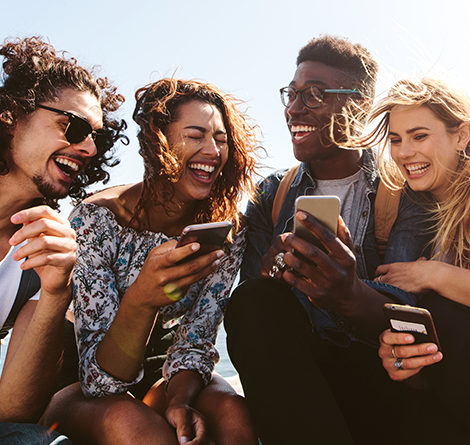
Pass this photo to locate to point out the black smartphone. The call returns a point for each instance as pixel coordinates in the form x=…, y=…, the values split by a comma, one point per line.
x=324, y=208
x=211, y=236
x=412, y=320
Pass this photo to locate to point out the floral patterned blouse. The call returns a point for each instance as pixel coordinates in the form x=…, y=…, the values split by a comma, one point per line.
x=109, y=259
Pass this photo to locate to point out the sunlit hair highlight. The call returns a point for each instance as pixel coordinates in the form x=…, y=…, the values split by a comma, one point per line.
x=158, y=104
x=451, y=105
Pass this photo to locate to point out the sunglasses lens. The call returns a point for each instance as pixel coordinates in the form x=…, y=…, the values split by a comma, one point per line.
x=77, y=130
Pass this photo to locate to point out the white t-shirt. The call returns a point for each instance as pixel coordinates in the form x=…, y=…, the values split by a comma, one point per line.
x=10, y=277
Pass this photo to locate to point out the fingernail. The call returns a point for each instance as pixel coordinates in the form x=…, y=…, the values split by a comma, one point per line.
x=432, y=348
x=195, y=246
x=184, y=439
x=217, y=263
x=283, y=237
x=301, y=215
x=409, y=338
x=438, y=357
x=220, y=253
x=15, y=219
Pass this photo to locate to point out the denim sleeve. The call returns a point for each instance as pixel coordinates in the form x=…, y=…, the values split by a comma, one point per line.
x=260, y=228
x=412, y=232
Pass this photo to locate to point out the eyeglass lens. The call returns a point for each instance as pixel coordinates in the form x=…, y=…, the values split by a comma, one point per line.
x=311, y=96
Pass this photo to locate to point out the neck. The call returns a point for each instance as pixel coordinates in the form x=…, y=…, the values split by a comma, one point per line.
x=345, y=164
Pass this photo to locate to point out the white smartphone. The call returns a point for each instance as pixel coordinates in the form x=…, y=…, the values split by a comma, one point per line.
x=211, y=236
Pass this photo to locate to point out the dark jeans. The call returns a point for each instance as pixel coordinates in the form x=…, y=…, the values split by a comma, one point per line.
x=450, y=378
x=302, y=389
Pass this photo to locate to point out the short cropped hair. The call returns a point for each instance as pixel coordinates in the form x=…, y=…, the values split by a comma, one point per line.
x=356, y=61
x=34, y=72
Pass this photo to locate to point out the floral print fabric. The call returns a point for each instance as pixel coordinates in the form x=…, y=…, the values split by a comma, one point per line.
x=109, y=259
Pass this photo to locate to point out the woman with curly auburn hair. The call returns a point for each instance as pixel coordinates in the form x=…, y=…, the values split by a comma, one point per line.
x=135, y=299
x=426, y=125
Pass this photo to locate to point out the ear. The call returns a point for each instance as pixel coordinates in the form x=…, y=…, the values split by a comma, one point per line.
x=463, y=134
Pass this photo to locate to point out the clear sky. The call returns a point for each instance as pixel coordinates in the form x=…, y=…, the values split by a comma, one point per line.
x=245, y=47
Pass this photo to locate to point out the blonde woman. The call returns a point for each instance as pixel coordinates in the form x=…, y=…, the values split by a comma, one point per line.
x=426, y=125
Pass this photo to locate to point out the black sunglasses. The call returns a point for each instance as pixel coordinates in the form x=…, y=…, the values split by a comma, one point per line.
x=312, y=97
x=78, y=130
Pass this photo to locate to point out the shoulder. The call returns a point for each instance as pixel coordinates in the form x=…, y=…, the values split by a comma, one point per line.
x=120, y=200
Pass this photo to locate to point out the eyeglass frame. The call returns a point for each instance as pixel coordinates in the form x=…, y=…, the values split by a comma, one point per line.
x=322, y=92
x=93, y=133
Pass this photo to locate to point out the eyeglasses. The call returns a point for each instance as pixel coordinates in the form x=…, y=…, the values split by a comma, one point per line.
x=78, y=130
x=312, y=97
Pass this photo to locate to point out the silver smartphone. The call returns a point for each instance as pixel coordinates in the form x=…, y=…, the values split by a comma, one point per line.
x=211, y=236
x=324, y=208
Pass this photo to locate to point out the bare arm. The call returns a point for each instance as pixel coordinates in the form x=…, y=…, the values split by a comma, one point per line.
x=419, y=276
x=34, y=354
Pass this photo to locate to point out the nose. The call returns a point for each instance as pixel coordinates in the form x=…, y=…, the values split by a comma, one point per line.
x=405, y=150
x=297, y=107
x=87, y=147
x=211, y=148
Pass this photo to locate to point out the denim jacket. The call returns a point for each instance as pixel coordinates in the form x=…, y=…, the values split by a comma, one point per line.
x=409, y=239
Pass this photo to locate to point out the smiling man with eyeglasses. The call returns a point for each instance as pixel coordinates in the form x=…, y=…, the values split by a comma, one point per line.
x=56, y=130
x=303, y=337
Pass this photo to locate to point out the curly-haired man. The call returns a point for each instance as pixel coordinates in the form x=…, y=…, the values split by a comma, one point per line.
x=56, y=132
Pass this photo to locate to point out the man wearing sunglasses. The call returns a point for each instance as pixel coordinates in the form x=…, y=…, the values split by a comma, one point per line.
x=303, y=337
x=56, y=129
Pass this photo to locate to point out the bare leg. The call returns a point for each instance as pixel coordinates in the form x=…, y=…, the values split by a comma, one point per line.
x=226, y=413
x=110, y=420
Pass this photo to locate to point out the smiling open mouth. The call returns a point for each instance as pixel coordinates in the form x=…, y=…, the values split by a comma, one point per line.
x=202, y=170
x=68, y=167
x=417, y=169
x=300, y=131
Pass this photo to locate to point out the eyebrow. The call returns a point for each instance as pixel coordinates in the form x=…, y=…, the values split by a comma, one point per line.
x=202, y=129
x=411, y=130
x=313, y=83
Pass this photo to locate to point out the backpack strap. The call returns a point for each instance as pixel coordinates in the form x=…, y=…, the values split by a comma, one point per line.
x=29, y=285
x=387, y=202
x=281, y=193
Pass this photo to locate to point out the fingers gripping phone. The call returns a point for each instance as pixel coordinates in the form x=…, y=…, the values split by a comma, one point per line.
x=211, y=236
x=325, y=209
x=412, y=320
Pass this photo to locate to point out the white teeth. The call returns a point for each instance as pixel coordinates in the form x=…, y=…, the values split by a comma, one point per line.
x=71, y=164
x=204, y=167
x=417, y=168
x=301, y=128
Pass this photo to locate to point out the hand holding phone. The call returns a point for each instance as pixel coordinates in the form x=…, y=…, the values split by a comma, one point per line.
x=211, y=236
x=324, y=208
x=412, y=320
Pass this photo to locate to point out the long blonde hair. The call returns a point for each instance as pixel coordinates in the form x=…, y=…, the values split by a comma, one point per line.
x=451, y=105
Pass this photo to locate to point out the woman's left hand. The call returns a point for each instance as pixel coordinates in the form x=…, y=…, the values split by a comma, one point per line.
x=413, y=277
x=403, y=359
x=191, y=426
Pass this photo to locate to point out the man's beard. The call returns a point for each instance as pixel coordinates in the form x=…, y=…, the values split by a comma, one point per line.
x=48, y=190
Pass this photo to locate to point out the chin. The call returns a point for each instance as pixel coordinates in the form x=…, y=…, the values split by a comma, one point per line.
x=50, y=190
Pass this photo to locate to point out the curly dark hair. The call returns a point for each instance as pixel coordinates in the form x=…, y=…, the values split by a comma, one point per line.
x=358, y=64
x=158, y=105
x=33, y=72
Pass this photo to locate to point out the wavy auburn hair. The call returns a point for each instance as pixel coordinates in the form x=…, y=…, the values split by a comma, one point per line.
x=158, y=104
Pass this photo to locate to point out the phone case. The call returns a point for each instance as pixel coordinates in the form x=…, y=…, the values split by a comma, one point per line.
x=324, y=208
x=414, y=320
x=211, y=236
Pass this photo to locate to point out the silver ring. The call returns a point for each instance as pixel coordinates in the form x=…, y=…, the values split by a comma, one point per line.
x=399, y=364
x=380, y=278
x=274, y=270
x=278, y=266
x=393, y=352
